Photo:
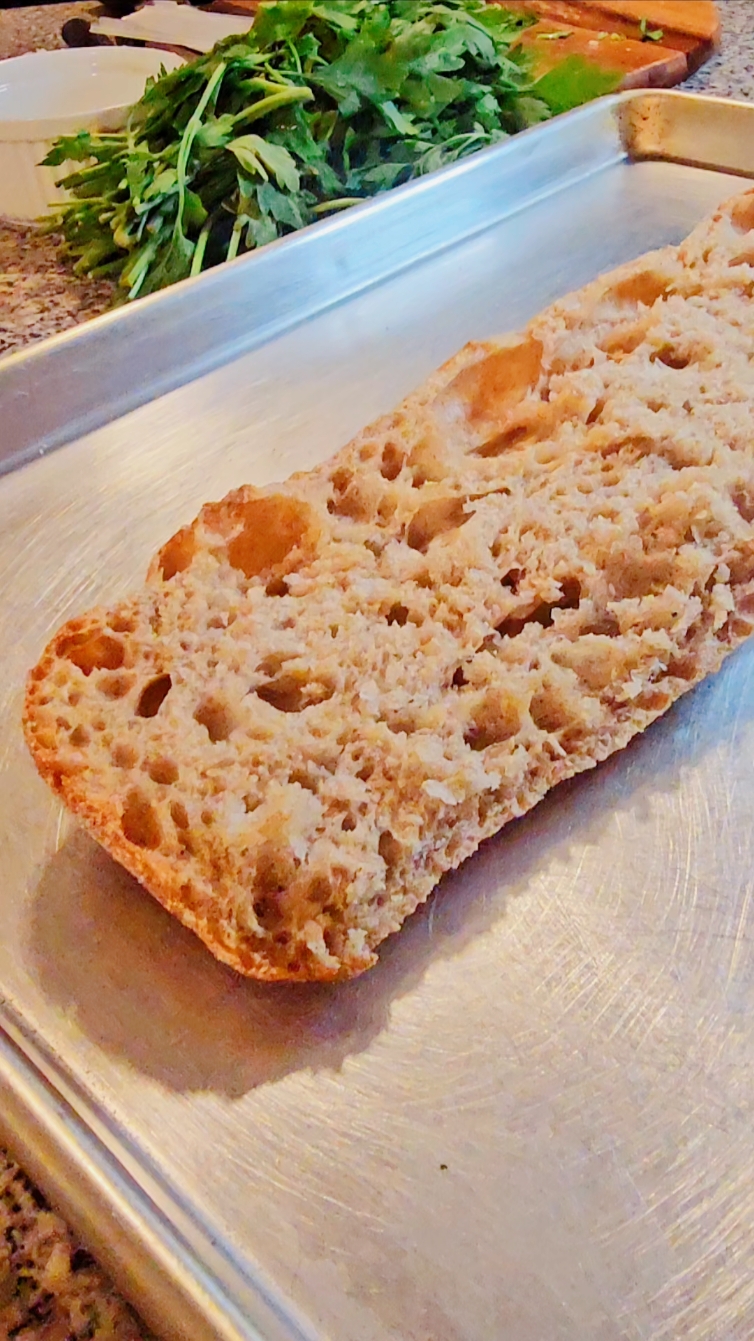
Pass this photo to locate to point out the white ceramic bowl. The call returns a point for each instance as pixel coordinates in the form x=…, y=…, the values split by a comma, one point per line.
x=50, y=93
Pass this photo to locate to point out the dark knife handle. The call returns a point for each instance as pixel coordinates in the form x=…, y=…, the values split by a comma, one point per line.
x=78, y=33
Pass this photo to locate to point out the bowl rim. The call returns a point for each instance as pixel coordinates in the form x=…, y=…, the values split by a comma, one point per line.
x=34, y=129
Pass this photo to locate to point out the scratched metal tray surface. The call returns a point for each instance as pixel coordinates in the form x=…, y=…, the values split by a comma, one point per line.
x=533, y=1119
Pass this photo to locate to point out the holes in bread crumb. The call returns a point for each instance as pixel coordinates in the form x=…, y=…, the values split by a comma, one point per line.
x=348, y=823
x=320, y=894
x=79, y=737
x=653, y=700
x=98, y=651
x=435, y=519
x=645, y=287
x=275, y=871
x=306, y=780
x=596, y=412
x=272, y=664
x=494, y=719
x=365, y=772
x=641, y=575
x=503, y=442
x=121, y=623
x=624, y=340
x=333, y=938
x=217, y=718
x=531, y=423
x=397, y=614
x=292, y=691
x=177, y=554
x=512, y=579
x=671, y=357
x=341, y=478
x=742, y=213
x=153, y=696
x=179, y=815
x=117, y=685
x=459, y=680
x=277, y=586
x=390, y=850
x=186, y=842
x=124, y=755
x=139, y=821
x=542, y=614
x=273, y=528
x=734, y=629
x=359, y=501
x=603, y=623
x=163, y=771
x=549, y=710
x=743, y=501
x=498, y=381
x=401, y=723
x=682, y=667
x=393, y=458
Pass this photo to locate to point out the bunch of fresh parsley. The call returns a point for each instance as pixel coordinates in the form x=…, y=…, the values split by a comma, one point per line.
x=319, y=106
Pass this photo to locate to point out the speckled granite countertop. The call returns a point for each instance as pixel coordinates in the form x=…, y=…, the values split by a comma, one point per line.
x=50, y=1287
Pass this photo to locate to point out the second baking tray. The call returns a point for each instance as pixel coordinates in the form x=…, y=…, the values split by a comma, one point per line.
x=532, y=1119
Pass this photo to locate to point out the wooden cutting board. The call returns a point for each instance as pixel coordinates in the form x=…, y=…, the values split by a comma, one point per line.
x=688, y=27
x=607, y=33
x=640, y=64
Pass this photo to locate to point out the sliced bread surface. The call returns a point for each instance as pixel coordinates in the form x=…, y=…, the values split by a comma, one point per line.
x=330, y=691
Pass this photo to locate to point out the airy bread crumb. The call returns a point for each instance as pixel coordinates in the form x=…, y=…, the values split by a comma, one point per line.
x=330, y=691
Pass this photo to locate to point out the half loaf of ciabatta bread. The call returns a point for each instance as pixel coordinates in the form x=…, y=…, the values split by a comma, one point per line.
x=329, y=692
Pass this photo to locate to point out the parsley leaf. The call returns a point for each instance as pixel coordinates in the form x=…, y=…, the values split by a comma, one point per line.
x=574, y=82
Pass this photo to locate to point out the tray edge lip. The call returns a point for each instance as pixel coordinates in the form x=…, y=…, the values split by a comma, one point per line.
x=615, y=101
x=145, y=1255
x=21, y=368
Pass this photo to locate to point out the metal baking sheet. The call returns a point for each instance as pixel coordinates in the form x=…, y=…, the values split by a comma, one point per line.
x=533, y=1118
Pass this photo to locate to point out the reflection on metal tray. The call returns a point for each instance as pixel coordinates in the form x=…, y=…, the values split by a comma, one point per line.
x=533, y=1118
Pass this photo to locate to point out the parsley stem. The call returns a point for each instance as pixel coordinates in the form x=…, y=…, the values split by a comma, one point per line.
x=342, y=204
x=201, y=247
x=187, y=139
x=265, y=105
x=235, y=237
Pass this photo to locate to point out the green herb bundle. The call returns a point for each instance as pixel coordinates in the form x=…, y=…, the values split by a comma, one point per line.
x=319, y=106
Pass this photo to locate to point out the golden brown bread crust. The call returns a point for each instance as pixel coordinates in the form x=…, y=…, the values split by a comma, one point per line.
x=103, y=821
x=331, y=691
